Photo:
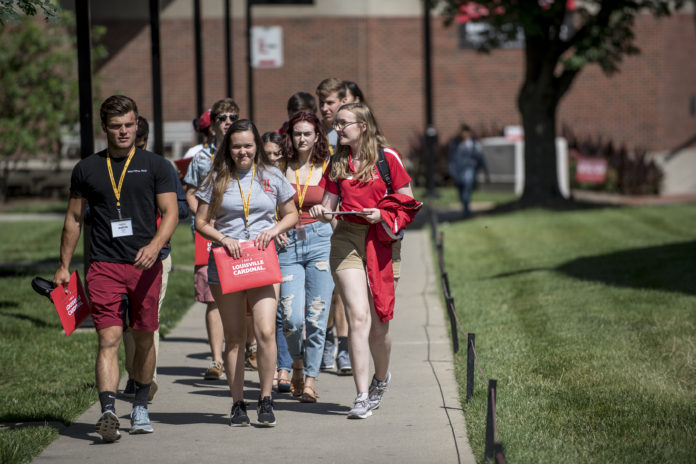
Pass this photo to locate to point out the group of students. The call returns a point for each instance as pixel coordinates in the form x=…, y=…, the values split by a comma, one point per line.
x=331, y=196
x=314, y=194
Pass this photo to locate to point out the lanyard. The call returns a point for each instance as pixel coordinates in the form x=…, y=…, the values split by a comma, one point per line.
x=246, y=202
x=301, y=192
x=117, y=190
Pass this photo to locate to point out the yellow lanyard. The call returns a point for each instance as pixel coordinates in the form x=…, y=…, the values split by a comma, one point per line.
x=301, y=192
x=246, y=202
x=117, y=190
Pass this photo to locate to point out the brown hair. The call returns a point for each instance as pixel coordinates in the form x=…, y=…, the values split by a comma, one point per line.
x=223, y=106
x=223, y=166
x=320, y=150
x=116, y=105
x=329, y=86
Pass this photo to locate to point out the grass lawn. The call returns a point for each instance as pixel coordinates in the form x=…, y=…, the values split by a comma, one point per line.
x=448, y=197
x=587, y=320
x=46, y=379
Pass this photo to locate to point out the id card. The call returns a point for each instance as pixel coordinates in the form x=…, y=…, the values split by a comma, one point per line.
x=301, y=233
x=121, y=228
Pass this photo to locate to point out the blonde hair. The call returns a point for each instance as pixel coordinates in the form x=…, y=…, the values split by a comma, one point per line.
x=371, y=140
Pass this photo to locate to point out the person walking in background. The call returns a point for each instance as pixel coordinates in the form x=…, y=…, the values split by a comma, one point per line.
x=299, y=101
x=242, y=195
x=141, y=137
x=203, y=126
x=353, y=93
x=303, y=254
x=271, y=145
x=356, y=186
x=223, y=113
x=124, y=188
x=331, y=93
x=465, y=159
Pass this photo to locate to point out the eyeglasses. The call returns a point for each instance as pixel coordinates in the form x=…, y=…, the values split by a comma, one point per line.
x=223, y=117
x=340, y=125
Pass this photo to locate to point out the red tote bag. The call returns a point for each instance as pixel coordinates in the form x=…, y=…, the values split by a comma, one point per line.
x=202, y=247
x=256, y=268
x=72, y=307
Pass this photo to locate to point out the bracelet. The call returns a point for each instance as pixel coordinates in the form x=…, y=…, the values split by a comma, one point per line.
x=222, y=239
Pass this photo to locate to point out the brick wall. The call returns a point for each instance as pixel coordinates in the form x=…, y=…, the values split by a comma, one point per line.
x=646, y=104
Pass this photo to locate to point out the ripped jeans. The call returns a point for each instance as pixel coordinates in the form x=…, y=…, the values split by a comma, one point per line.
x=305, y=293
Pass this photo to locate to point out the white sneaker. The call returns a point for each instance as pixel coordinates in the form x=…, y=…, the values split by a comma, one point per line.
x=361, y=407
x=377, y=390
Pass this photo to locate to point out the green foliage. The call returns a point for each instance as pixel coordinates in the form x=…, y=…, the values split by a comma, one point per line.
x=10, y=10
x=38, y=85
x=586, y=320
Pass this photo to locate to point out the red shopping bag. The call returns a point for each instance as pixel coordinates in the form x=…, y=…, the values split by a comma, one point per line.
x=202, y=250
x=256, y=268
x=72, y=307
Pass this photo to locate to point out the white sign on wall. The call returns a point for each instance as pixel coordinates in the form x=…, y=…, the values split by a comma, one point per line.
x=267, y=47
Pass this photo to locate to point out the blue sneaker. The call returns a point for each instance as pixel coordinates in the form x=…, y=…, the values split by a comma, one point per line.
x=343, y=357
x=140, y=421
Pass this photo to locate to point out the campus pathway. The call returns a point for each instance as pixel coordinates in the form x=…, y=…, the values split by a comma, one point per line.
x=420, y=419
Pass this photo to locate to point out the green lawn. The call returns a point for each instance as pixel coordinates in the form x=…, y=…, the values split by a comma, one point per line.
x=587, y=320
x=45, y=376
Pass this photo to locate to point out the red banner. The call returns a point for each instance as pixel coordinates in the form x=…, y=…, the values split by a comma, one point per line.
x=72, y=307
x=590, y=170
x=256, y=268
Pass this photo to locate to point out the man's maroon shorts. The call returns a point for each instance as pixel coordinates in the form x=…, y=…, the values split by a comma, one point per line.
x=106, y=282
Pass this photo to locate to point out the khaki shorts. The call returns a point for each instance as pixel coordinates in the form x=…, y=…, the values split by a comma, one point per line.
x=348, y=248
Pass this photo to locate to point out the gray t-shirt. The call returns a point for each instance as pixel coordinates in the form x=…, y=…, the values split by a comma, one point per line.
x=270, y=188
x=199, y=167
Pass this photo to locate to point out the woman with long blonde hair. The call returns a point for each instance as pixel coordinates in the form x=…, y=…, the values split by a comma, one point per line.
x=355, y=181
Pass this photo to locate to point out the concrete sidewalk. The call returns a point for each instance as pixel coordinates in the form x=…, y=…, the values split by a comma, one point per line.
x=420, y=419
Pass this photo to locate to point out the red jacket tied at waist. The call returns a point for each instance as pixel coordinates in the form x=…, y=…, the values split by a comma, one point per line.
x=397, y=212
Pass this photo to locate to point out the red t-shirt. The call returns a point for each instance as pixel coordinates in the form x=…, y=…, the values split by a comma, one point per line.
x=356, y=195
x=314, y=195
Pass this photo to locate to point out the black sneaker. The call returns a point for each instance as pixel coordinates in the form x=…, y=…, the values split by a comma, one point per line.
x=238, y=416
x=265, y=411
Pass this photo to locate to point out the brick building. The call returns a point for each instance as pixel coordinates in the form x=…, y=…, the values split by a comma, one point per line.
x=650, y=103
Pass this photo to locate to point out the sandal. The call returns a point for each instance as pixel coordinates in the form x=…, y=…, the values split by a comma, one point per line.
x=297, y=382
x=308, y=395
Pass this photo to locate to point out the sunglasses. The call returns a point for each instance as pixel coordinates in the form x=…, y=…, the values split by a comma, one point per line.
x=223, y=117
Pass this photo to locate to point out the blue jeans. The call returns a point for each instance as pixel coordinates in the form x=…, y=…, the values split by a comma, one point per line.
x=284, y=360
x=466, y=186
x=305, y=293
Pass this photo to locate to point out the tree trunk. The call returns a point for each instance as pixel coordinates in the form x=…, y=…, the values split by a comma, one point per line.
x=538, y=110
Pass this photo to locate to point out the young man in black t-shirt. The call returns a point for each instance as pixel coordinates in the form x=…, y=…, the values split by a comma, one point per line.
x=124, y=187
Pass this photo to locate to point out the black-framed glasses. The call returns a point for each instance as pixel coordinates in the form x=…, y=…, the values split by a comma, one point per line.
x=223, y=117
x=340, y=125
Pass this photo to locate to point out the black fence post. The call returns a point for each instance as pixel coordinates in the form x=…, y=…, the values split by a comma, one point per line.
x=499, y=454
x=453, y=324
x=490, y=418
x=470, y=340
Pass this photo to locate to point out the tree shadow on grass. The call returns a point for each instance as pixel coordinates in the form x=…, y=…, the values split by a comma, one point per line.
x=665, y=267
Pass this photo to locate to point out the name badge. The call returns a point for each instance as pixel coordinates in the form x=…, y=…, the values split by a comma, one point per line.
x=121, y=228
x=301, y=233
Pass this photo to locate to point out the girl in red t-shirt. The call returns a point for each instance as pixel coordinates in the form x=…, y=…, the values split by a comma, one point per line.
x=354, y=176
